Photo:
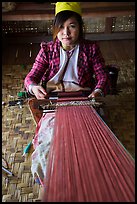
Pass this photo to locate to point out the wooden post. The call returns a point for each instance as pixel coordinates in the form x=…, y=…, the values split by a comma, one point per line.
x=108, y=24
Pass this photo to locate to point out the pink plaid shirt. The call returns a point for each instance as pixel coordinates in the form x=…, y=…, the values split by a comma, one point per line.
x=91, y=65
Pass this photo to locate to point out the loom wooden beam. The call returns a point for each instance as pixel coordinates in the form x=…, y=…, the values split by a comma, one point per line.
x=26, y=11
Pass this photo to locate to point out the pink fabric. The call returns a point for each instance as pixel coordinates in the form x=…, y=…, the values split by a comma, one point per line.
x=87, y=163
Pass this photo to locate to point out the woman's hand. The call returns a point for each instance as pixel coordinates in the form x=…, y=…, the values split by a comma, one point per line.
x=39, y=91
x=95, y=93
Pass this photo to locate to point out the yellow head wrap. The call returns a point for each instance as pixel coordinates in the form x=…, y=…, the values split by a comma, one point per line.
x=71, y=6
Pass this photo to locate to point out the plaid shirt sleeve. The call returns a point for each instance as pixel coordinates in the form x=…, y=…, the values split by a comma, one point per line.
x=98, y=63
x=39, y=68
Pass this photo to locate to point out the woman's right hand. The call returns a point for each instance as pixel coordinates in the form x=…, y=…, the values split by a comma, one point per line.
x=39, y=91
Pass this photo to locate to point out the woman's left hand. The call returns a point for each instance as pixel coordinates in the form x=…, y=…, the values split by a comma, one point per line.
x=95, y=94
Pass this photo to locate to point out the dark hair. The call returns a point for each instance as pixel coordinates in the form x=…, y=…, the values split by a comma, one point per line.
x=61, y=17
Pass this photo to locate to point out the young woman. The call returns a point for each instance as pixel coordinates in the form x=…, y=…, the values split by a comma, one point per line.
x=69, y=62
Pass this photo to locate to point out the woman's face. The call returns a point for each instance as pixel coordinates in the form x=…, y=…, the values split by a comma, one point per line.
x=69, y=33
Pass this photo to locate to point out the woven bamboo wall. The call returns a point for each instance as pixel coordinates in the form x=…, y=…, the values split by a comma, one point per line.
x=18, y=127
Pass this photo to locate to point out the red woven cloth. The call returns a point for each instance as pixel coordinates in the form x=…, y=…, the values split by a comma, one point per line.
x=86, y=161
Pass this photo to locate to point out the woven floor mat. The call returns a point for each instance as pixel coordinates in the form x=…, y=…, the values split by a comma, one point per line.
x=18, y=128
